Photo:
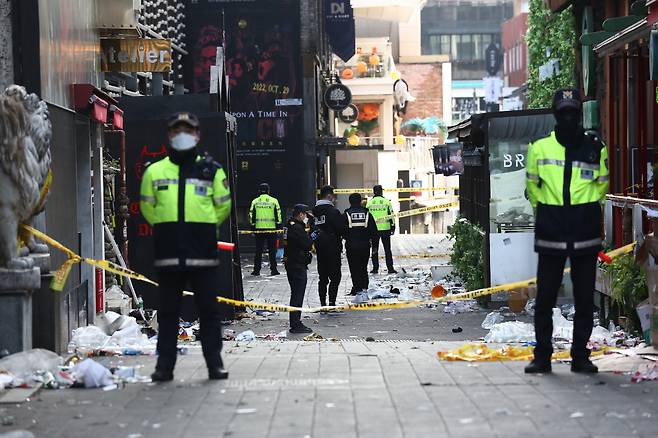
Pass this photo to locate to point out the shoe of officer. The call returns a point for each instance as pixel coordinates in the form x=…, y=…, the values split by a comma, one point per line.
x=255, y=273
x=274, y=272
x=162, y=376
x=538, y=366
x=584, y=366
x=218, y=373
x=374, y=271
x=301, y=329
x=392, y=271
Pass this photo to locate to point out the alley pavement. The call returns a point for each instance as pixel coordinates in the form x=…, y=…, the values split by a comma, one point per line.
x=378, y=377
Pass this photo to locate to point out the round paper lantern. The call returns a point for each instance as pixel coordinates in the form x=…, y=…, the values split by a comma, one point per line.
x=373, y=59
x=395, y=75
x=361, y=67
x=353, y=140
x=399, y=139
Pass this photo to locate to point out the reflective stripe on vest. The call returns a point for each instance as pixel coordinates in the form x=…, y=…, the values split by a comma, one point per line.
x=549, y=244
x=361, y=218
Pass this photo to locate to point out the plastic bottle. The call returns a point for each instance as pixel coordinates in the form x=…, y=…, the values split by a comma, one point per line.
x=611, y=327
x=70, y=349
x=140, y=303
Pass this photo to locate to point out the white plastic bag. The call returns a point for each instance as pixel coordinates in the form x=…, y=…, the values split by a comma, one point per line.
x=90, y=337
x=380, y=292
x=24, y=364
x=512, y=331
x=92, y=374
x=562, y=327
x=248, y=335
x=492, y=319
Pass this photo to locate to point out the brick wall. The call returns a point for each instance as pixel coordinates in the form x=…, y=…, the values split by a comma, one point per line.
x=425, y=84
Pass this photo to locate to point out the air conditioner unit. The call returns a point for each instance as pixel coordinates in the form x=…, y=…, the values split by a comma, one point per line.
x=118, y=17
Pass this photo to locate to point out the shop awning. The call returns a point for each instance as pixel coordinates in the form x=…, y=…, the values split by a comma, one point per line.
x=400, y=11
x=637, y=30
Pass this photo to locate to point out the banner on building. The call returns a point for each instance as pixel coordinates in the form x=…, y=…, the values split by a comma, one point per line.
x=339, y=25
x=263, y=62
x=135, y=55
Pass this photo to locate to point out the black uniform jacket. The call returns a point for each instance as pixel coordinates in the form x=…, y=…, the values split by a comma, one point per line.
x=296, y=245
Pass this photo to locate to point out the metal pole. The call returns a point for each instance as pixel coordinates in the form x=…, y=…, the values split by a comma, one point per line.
x=156, y=84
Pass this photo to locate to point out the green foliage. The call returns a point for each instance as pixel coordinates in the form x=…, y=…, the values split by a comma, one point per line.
x=629, y=284
x=557, y=33
x=466, y=257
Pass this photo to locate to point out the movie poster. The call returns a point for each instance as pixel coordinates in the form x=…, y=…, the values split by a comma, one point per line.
x=263, y=62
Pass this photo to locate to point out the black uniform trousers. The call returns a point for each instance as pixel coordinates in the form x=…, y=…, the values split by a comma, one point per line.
x=261, y=238
x=297, y=280
x=357, y=259
x=329, y=262
x=549, y=280
x=385, y=237
x=203, y=282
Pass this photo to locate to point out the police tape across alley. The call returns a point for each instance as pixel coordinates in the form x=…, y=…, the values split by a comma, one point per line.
x=62, y=273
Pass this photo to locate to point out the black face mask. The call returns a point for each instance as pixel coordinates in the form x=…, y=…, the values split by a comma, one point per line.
x=567, y=129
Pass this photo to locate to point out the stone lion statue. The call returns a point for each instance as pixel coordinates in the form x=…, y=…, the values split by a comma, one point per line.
x=25, y=134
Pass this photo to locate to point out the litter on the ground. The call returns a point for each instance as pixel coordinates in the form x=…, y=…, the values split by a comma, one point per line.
x=511, y=331
x=247, y=336
x=463, y=306
x=477, y=352
x=645, y=372
x=92, y=374
x=491, y=319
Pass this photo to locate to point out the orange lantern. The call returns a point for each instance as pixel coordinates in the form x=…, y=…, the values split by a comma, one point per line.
x=361, y=67
x=348, y=73
x=373, y=59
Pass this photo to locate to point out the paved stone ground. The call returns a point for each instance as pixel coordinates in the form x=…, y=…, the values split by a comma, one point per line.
x=394, y=387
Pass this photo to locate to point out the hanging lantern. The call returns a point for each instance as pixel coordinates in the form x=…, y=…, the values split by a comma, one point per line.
x=348, y=73
x=361, y=67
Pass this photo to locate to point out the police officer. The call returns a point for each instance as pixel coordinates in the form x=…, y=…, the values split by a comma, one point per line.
x=379, y=207
x=265, y=215
x=361, y=229
x=296, y=257
x=566, y=180
x=328, y=229
x=185, y=198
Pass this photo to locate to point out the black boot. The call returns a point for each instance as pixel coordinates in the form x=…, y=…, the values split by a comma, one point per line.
x=538, y=366
x=584, y=366
x=162, y=376
x=255, y=273
x=218, y=373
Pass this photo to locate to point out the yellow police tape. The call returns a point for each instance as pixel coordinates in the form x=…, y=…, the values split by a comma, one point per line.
x=60, y=276
x=260, y=231
x=402, y=304
x=395, y=190
x=416, y=211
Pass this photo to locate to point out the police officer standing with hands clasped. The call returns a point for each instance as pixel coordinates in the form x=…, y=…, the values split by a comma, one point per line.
x=566, y=180
x=185, y=197
x=296, y=257
x=265, y=218
x=380, y=207
x=361, y=229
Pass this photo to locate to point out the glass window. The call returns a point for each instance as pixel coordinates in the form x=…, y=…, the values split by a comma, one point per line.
x=454, y=42
x=466, y=48
x=445, y=45
x=479, y=48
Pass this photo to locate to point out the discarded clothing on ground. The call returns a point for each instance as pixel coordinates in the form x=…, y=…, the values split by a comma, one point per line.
x=475, y=352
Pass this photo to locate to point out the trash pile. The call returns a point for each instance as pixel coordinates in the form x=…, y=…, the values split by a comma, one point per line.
x=43, y=368
x=114, y=334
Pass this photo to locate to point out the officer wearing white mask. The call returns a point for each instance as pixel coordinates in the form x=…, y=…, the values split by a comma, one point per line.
x=185, y=197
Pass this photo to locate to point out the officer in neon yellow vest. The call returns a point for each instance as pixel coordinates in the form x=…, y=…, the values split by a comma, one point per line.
x=379, y=207
x=185, y=197
x=566, y=180
x=265, y=215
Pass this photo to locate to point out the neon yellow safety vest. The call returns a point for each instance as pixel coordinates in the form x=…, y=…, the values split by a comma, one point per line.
x=265, y=212
x=379, y=207
x=185, y=218
x=566, y=187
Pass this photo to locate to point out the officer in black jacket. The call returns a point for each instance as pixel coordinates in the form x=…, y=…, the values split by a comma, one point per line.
x=296, y=257
x=360, y=230
x=328, y=233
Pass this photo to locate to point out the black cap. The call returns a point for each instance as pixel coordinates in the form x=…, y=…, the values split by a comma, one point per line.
x=183, y=117
x=567, y=98
x=300, y=208
x=264, y=188
x=378, y=189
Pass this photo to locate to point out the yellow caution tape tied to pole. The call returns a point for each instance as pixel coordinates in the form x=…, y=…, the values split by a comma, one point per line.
x=60, y=276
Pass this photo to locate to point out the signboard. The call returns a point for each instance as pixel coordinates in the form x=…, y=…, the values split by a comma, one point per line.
x=135, y=55
x=548, y=70
x=653, y=56
x=492, y=57
x=349, y=114
x=337, y=97
x=288, y=102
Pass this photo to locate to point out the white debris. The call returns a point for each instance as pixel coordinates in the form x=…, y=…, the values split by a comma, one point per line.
x=492, y=319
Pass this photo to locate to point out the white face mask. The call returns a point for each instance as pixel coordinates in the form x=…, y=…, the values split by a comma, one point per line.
x=183, y=141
